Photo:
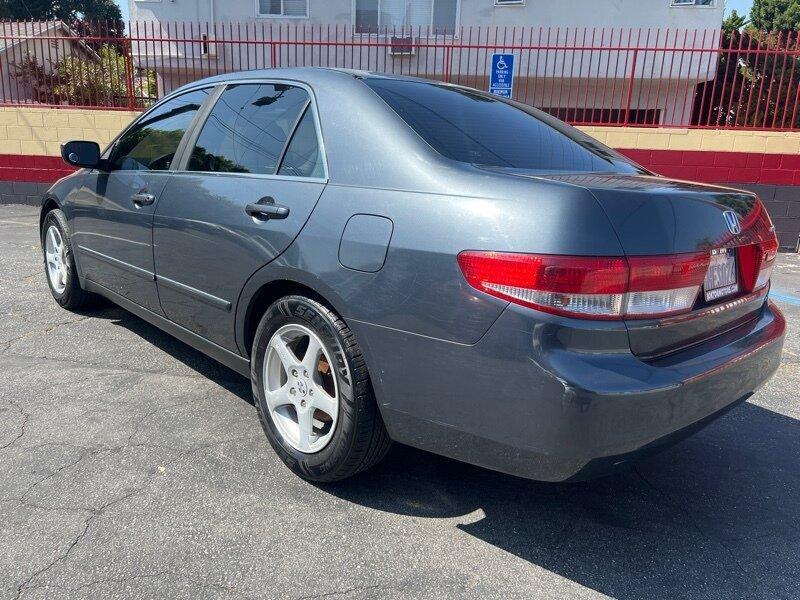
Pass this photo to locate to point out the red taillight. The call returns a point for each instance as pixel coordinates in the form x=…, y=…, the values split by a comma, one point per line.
x=756, y=262
x=769, y=251
x=567, y=285
x=650, y=273
x=590, y=287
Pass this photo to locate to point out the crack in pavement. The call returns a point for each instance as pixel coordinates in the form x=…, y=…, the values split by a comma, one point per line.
x=26, y=416
x=91, y=452
x=25, y=585
x=94, y=513
x=340, y=592
x=121, y=369
x=135, y=577
x=46, y=331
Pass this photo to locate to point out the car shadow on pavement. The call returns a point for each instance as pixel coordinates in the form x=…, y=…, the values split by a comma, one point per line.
x=185, y=354
x=716, y=516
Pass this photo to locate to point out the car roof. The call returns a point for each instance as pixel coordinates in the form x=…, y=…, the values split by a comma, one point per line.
x=309, y=75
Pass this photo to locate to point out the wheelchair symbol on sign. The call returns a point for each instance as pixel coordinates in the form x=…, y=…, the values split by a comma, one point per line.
x=501, y=64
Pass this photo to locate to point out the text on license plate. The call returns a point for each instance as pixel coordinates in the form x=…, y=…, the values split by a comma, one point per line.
x=721, y=276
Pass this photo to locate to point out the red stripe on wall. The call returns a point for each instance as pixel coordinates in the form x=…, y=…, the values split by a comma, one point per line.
x=37, y=169
x=706, y=167
x=721, y=167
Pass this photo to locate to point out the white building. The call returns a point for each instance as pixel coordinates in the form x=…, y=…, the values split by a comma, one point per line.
x=581, y=59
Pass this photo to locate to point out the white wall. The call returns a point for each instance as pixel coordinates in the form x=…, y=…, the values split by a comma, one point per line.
x=544, y=13
x=592, y=13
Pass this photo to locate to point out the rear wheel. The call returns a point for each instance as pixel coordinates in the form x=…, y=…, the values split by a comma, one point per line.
x=59, y=263
x=313, y=393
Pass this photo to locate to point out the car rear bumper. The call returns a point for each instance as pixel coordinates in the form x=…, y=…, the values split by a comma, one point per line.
x=544, y=399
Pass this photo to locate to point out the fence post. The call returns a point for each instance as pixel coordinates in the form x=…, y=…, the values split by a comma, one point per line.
x=448, y=51
x=129, y=73
x=631, y=82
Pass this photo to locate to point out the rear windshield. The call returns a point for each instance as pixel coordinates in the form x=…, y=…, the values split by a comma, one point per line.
x=476, y=128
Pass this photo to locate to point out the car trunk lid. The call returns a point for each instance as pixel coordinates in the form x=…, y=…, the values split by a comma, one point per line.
x=654, y=216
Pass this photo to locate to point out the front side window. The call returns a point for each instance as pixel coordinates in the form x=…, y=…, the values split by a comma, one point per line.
x=404, y=15
x=247, y=129
x=476, y=128
x=151, y=143
x=282, y=8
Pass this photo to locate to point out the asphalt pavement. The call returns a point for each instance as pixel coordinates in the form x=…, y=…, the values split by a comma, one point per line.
x=132, y=466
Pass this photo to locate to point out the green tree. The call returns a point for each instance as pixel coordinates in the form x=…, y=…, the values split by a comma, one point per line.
x=64, y=10
x=734, y=22
x=758, y=77
x=776, y=15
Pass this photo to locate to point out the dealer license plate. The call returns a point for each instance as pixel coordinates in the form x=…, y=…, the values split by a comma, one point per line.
x=721, y=279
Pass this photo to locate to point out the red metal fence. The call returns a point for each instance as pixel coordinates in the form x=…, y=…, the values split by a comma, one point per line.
x=600, y=76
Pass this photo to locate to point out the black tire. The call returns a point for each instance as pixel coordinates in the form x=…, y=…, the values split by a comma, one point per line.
x=360, y=439
x=73, y=297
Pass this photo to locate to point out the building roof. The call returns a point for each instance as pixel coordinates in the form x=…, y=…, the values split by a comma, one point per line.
x=13, y=33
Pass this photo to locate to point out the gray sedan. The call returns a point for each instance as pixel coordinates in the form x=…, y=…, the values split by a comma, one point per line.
x=390, y=258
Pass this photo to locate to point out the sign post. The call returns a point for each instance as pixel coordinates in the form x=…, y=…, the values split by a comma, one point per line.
x=501, y=82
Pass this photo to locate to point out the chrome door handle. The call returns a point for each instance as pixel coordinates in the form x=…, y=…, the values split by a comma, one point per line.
x=143, y=199
x=266, y=209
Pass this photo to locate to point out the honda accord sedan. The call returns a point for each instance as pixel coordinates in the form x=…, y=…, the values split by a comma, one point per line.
x=394, y=259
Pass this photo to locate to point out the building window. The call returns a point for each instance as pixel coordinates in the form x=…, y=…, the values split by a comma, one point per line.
x=508, y=2
x=398, y=15
x=693, y=2
x=283, y=8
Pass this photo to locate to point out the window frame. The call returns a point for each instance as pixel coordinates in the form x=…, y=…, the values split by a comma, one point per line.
x=412, y=29
x=509, y=2
x=181, y=164
x=108, y=152
x=260, y=15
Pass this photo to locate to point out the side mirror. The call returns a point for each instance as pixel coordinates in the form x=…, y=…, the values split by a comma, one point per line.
x=81, y=154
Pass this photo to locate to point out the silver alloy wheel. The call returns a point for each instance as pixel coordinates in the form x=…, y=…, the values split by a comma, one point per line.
x=300, y=388
x=56, y=257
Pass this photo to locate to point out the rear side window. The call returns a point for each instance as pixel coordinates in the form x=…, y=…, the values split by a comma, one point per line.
x=248, y=129
x=303, y=157
x=479, y=129
x=150, y=144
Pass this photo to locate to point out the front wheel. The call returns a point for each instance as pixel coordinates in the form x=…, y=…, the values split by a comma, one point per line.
x=59, y=263
x=313, y=393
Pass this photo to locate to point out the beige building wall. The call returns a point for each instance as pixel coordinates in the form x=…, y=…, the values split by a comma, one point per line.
x=40, y=131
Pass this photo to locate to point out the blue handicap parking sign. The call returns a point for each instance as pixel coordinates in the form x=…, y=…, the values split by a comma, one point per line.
x=501, y=82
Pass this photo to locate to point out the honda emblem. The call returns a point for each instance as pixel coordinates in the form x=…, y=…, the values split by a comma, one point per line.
x=732, y=220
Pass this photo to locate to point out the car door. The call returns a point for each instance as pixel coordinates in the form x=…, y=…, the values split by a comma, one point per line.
x=252, y=173
x=113, y=212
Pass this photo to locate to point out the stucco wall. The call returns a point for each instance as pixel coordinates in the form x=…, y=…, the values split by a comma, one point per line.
x=566, y=13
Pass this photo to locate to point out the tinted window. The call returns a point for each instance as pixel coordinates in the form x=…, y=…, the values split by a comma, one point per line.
x=303, y=157
x=477, y=128
x=247, y=129
x=151, y=143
